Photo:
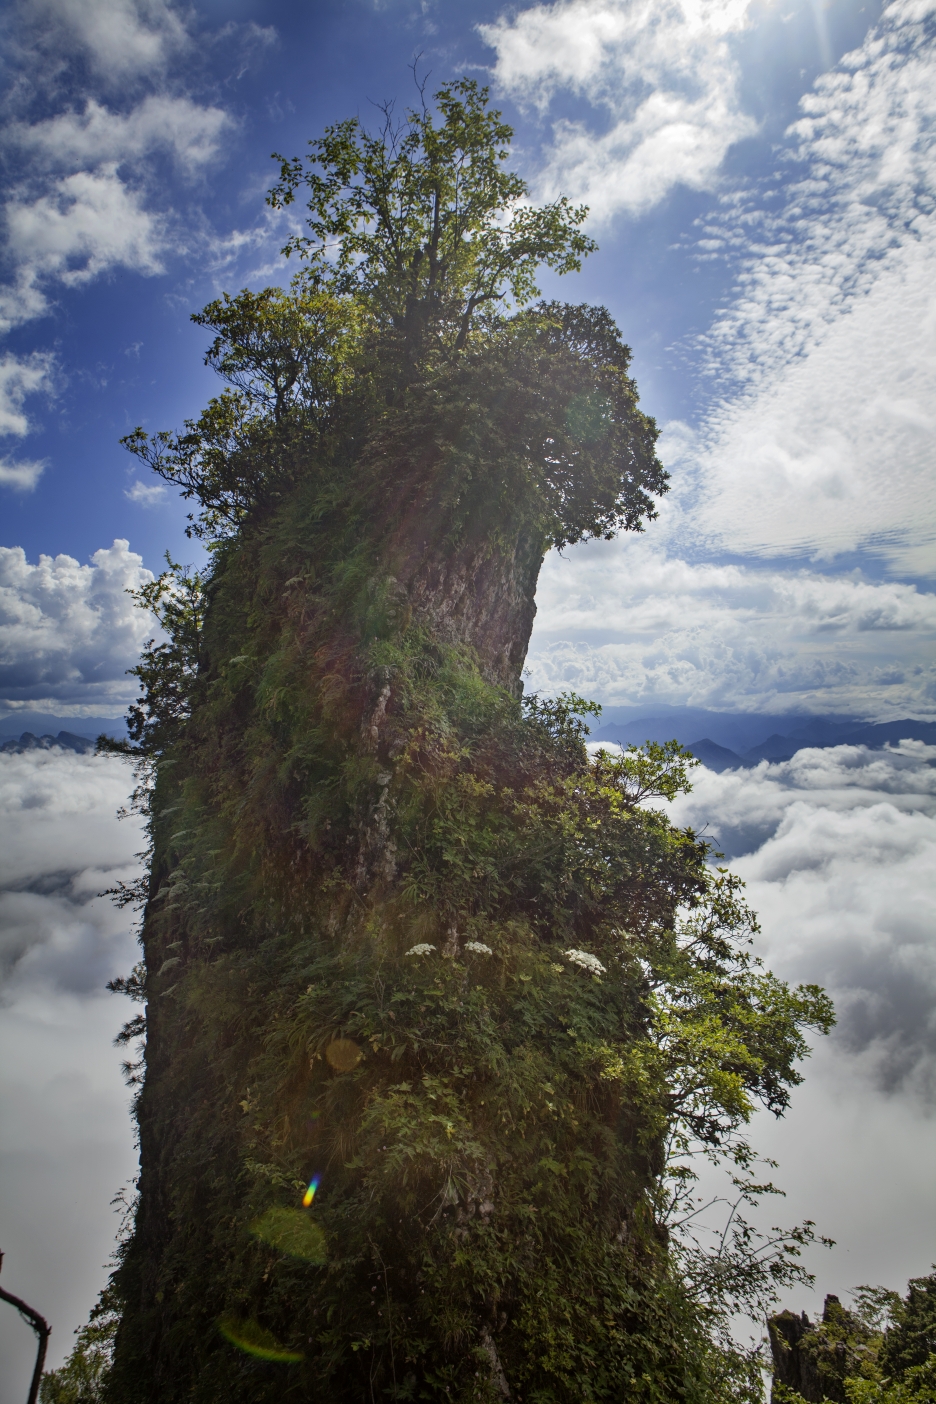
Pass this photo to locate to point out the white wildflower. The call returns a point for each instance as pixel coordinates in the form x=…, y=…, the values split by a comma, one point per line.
x=423, y=948
x=478, y=947
x=587, y=961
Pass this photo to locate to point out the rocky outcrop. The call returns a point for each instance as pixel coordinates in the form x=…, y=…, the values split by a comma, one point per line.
x=814, y=1361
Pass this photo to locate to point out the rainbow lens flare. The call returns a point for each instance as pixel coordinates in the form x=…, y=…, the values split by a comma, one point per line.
x=309, y=1195
x=254, y=1339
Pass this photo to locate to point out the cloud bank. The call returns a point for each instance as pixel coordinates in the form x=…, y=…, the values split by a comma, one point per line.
x=67, y=1146
x=627, y=622
x=69, y=632
x=662, y=76
x=60, y=845
x=838, y=850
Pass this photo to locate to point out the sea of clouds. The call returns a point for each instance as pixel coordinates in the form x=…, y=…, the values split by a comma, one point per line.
x=66, y=1146
x=838, y=850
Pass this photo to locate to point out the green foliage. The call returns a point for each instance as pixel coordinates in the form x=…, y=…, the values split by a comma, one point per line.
x=415, y=234
x=917, y=1385
x=874, y=1307
x=566, y=414
x=167, y=669
x=292, y=1232
x=286, y=352
x=230, y=460
x=404, y=940
x=538, y=422
x=911, y=1341
x=295, y=361
x=422, y=223
x=83, y=1377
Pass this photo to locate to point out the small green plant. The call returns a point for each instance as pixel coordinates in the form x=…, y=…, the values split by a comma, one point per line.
x=83, y=1377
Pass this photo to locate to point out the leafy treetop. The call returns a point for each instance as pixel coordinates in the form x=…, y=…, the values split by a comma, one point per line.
x=423, y=222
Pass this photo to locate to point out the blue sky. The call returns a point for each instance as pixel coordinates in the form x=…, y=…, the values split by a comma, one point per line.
x=761, y=180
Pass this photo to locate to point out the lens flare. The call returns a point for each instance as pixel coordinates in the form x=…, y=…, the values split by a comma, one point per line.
x=343, y=1054
x=309, y=1195
x=254, y=1339
x=293, y=1232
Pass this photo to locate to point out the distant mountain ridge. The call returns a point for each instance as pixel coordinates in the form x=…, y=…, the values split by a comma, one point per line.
x=16, y=724
x=64, y=741
x=730, y=740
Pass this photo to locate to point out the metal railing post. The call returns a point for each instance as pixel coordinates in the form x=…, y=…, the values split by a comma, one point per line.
x=42, y=1330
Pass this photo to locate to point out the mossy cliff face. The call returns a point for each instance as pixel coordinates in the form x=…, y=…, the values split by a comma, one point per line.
x=437, y=1008
x=431, y=996
x=369, y=863
x=813, y=1362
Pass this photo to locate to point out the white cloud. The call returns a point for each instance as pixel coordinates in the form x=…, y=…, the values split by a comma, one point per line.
x=67, y=1150
x=176, y=124
x=858, y=1162
x=634, y=621
x=822, y=431
x=21, y=300
x=87, y=223
x=21, y=474
x=824, y=434
x=19, y=377
x=68, y=632
x=62, y=1100
x=60, y=845
x=84, y=202
x=821, y=438
x=122, y=38
x=838, y=850
x=666, y=75
x=838, y=844
x=146, y=494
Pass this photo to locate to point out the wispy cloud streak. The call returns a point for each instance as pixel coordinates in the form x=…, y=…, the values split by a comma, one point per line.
x=823, y=365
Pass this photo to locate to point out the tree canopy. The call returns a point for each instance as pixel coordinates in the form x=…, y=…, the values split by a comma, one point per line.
x=423, y=222
x=411, y=320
